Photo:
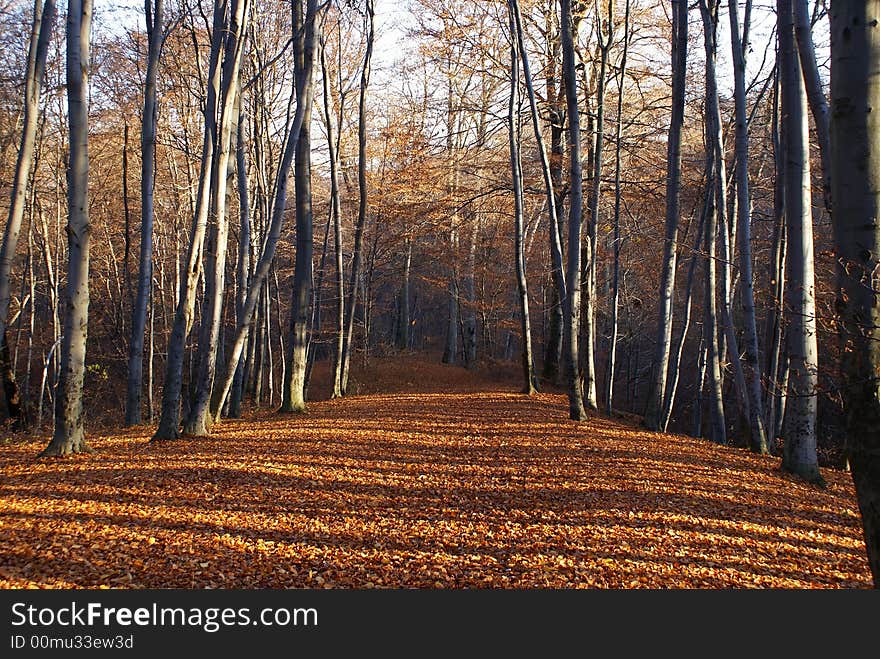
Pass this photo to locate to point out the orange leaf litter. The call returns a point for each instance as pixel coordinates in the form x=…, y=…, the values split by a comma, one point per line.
x=473, y=489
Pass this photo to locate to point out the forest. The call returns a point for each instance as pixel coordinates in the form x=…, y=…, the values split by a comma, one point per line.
x=439, y=293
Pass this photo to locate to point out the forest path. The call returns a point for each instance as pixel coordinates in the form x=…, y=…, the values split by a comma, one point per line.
x=432, y=489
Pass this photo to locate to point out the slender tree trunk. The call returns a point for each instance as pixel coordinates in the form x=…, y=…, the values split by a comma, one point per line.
x=267, y=255
x=799, y=451
x=244, y=260
x=715, y=202
x=155, y=13
x=605, y=40
x=675, y=370
x=41, y=31
x=550, y=189
x=333, y=146
x=656, y=393
x=615, y=286
x=296, y=357
x=744, y=205
x=169, y=421
x=200, y=417
x=855, y=175
x=513, y=131
x=402, y=335
x=815, y=94
x=69, y=436
x=573, y=274
x=357, y=257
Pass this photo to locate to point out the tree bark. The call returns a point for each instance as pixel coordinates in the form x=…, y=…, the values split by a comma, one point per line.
x=855, y=177
x=758, y=441
x=799, y=451
x=41, y=31
x=155, y=13
x=296, y=357
x=69, y=436
x=656, y=394
x=513, y=131
x=573, y=275
x=357, y=256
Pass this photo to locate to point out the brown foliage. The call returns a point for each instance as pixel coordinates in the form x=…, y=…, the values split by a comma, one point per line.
x=455, y=488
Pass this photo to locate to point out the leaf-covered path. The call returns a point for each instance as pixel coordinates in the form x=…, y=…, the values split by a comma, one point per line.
x=462, y=489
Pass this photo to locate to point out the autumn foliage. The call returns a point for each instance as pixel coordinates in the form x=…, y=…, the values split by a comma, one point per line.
x=464, y=484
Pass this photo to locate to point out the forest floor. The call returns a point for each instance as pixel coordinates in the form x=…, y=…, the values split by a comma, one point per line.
x=430, y=477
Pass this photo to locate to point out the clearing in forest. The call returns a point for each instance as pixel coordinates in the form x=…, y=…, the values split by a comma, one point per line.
x=463, y=484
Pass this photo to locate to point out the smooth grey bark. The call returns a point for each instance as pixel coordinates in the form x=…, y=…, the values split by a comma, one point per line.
x=799, y=450
x=357, y=256
x=513, y=131
x=402, y=333
x=41, y=31
x=244, y=259
x=198, y=421
x=815, y=93
x=169, y=420
x=775, y=387
x=615, y=277
x=69, y=436
x=675, y=367
x=549, y=187
x=605, y=37
x=556, y=116
x=714, y=203
x=656, y=393
x=758, y=440
x=259, y=280
x=855, y=177
x=572, y=308
x=715, y=140
x=155, y=15
x=333, y=136
x=293, y=395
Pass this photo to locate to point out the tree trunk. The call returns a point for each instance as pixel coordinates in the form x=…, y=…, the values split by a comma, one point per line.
x=41, y=31
x=169, y=421
x=855, y=175
x=615, y=286
x=799, y=451
x=744, y=205
x=590, y=293
x=296, y=357
x=155, y=13
x=656, y=394
x=718, y=431
x=357, y=257
x=244, y=260
x=573, y=275
x=815, y=94
x=200, y=417
x=333, y=145
x=259, y=279
x=513, y=131
x=69, y=436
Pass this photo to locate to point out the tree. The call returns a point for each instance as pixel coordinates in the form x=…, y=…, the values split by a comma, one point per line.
x=573, y=275
x=513, y=129
x=744, y=207
x=855, y=180
x=41, y=31
x=673, y=191
x=357, y=256
x=155, y=14
x=293, y=392
x=69, y=435
x=799, y=451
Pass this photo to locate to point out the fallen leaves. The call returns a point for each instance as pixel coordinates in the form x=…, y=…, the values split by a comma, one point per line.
x=430, y=490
